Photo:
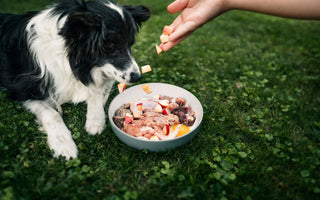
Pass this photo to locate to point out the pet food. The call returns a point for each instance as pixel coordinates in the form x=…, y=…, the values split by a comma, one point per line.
x=158, y=49
x=121, y=87
x=145, y=69
x=167, y=30
x=147, y=88
x=164, y=38
x=145, y=118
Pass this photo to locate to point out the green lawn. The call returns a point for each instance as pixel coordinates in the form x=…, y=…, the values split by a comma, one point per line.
x=258, y=78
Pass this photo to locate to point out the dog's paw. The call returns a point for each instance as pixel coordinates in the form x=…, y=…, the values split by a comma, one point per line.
x=63, y=145
x=95, y=126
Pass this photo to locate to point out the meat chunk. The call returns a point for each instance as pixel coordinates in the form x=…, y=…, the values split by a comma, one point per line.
x=118, y=121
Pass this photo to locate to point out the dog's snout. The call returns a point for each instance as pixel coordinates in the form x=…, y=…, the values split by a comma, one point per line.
x=135, y=77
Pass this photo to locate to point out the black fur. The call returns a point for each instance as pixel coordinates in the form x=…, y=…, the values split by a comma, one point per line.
x=93, y=37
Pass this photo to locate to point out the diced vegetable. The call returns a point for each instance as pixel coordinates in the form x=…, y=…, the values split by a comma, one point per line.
x=121, y=87
x=145, y=69
x=128, y=119
x=175, y=132
x=166, y=129
x=165, y=111
x=182, y=131
x=164, y=38
x=136, y=114
x=146, y=88
x=167, y=30
x=140, y=106
x=164, y=103
x=158, y=109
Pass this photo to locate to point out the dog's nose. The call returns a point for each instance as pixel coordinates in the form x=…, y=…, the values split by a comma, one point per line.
x=135, y=77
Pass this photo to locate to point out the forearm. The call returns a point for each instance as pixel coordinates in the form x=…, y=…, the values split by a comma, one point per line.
x=299, y=9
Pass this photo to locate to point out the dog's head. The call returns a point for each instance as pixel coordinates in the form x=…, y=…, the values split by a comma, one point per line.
x=98, y=36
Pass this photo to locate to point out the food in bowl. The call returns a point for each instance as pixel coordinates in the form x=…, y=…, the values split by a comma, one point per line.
x=158, y=118
x=136, y=92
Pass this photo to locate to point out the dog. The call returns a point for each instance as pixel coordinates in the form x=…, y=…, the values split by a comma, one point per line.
x=72, y=51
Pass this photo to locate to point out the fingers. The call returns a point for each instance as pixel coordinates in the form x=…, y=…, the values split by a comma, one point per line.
x=180, y=33
x=177, y=6
x=168, y=45
x=182, y=30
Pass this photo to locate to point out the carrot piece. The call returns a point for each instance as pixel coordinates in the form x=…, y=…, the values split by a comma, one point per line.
x=167, y=30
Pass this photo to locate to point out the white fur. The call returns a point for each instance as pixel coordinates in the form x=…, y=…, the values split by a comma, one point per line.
x=59, y=137
x=116, y=8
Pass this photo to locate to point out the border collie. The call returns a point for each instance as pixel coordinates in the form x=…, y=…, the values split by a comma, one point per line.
x=73, y=51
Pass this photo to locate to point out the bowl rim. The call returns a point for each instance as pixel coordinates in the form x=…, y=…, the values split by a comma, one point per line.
x=199, y=115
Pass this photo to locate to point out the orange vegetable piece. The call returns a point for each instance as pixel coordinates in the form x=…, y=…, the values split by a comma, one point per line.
x=167, y=30
x=183, y=130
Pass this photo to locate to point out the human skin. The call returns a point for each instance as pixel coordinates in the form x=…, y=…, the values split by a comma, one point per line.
x=196, y=13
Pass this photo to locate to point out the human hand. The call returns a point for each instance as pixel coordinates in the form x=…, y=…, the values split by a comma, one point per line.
x=195, y=13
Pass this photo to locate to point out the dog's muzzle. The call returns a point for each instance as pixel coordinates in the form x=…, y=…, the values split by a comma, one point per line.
x=135, y=77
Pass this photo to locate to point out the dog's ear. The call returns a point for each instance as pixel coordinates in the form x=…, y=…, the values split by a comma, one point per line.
x=81, y=23
x=139, y=13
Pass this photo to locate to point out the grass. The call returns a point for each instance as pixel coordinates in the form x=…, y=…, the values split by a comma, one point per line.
x=258, y=79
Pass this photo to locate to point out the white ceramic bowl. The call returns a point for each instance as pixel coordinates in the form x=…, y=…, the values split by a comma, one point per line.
x=136, y=92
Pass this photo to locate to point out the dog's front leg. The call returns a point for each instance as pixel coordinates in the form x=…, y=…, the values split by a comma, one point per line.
x=59, y=137
x=95, y=123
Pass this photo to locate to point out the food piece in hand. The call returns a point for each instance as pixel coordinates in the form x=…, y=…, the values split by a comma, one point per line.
x=164, y=38
x=167, y=30
x=146, y=88
x=121, y=87
x=145, y=69
x=158, y=49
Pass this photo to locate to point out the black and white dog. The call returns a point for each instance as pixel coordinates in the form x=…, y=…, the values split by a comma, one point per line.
x=73, y=51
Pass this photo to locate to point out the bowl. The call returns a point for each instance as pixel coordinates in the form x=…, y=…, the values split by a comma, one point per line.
x=136, y=92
